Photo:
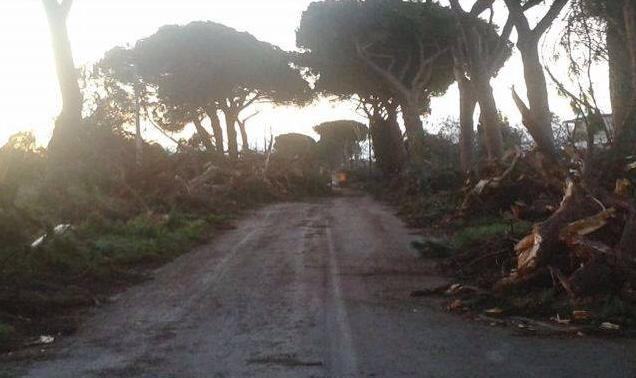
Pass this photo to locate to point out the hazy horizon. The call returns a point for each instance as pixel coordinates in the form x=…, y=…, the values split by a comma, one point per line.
x=29, y=98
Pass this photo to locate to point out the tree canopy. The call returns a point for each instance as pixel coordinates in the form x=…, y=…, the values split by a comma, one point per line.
x=399, y=37
x=205, y=62
x=340, y=141
x=383, y=49
x=197, y=69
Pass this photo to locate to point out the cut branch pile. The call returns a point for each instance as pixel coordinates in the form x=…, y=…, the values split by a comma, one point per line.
x=581, y=244
x=512, y=184
x=255, y=177
x=581, y=248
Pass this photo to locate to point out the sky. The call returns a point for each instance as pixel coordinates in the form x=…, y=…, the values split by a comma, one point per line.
x=30, y=100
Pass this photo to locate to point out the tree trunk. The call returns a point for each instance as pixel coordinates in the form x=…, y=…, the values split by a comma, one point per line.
x=396, y=141
x=480, y=75
x=139, y=142
x=380, y=140
x=490, y=119
x=65, y=139
x=414, y=130
x=244, y=139
x=619, y=74
x=629, y=12
x=467, y=104
x=217, y=130
x=204, y=135
x=386, y=138
x=231, y=118
x=537, y=90
x=626, y=249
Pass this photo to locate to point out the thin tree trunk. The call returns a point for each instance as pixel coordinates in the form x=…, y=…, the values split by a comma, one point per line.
x=230, y=124
x=398, y=153
x=65, y=138
x=139, y=142
x=217, y=130
x=467, y=106
x=244, y=139
x=480, y=75
x=537, y=90
x=626, y=248
x=629, y=12
x=621, y=90
x=204, y=135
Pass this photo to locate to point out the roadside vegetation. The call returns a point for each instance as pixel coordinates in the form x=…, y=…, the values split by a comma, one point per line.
x=538, y=220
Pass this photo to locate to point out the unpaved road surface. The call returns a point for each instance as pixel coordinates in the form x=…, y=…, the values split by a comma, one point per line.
x=317, y=289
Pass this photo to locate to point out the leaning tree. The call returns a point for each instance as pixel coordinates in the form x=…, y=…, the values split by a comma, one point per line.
x=208, y=67
x=66, y=138
x=537, y=116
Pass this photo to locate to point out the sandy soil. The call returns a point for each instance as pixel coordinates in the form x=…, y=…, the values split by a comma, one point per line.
x=318, y=289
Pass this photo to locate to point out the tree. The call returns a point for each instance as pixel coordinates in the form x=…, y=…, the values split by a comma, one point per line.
x=479, y=54
x=66, y=137
x=210, y=67
x=385, y=134
x=334, y=65
x=118, y=76
x=619, y=18
x=467, y=105
x=536, y=115
x=339, y=143
x=404, y=44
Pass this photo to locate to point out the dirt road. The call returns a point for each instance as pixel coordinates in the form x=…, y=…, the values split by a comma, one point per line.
x=310, y=290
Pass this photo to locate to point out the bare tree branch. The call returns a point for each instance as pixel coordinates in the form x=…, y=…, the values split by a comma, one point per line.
x=406, y=66
x=250, y=117
x=554, y=11
x=500, y=51
x=399, y=86
x=426, y=68
x=517, y=14
x=479, y=7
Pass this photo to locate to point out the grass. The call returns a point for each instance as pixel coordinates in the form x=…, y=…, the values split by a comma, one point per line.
x=488, y=229
x=70, y=270
x=480, y=232
x=98, y=246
